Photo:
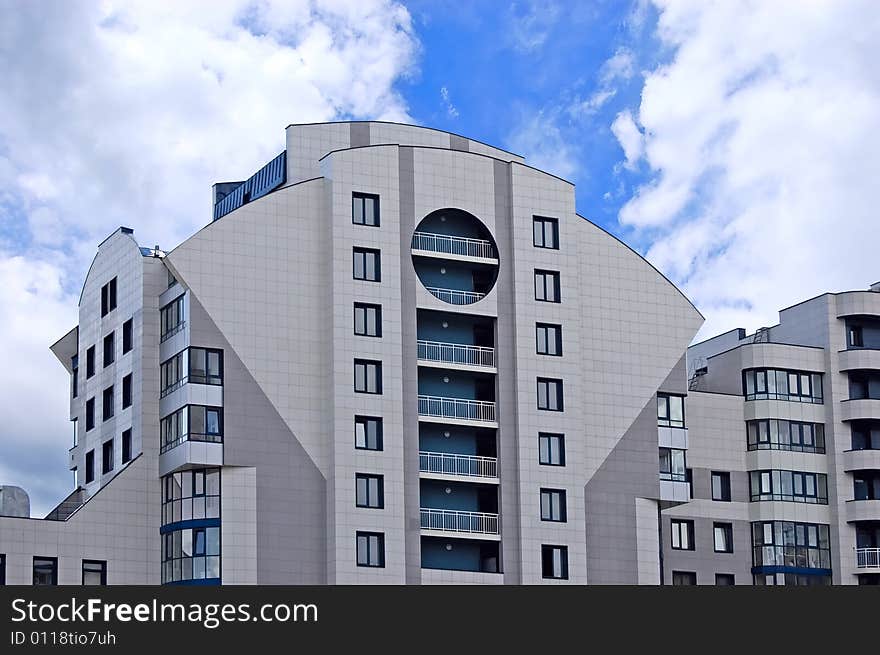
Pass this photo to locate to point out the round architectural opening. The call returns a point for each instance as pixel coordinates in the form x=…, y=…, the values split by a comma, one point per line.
x=455, y=256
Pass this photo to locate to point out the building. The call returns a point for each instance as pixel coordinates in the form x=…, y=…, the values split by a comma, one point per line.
x=784, y=457
x=396, y=355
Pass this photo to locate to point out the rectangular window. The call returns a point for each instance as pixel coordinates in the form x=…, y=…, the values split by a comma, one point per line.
x=673, y=464
x=107, y=457
x=206, y=366
x=367, y=433
x=126, y=391
x=367, y=376
x=94, y=573
x=45, y=571
x=721, y=486
x=126, y=446
x=684, y=579
x=546, y=232
x=551, y=449
x=90, y=414
x=788, y=486
x=547, y=286
x=107, y=405
x=554, y=562
x=549, y=339
x=205, y=423
x=367, y=320
x=367, y=265
x=369, y=491
x=90, y=362
x=109, y=349
x=90, y=466
x=2, y=570
x=780, y=384
x=171, y=318
x=779, y=434
x=171, y=374
x=127, y=335
x=371, y=549
x=74, y=376
x=670, y=410
x=365, y=209
x=108, y=297
x=856, y=336
x=682, y=534
x=724, y=580
x=550, y=394
x=723, y=537
x=553, y=505
x=785, y=543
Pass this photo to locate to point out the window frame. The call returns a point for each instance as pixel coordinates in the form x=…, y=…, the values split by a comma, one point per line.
x=90, y=414
x=360, y=419
x=210, y=379
x=126, y=446
x=380, y=547
x=90, y=466
x=676, y=527
x=544, y=222
x=53, y=562
x=556, y=284
x=90, y=362
x=128, y=336
x=364, y=252
x=556, y=505
x=727, y=533
x=548, y=329
x=560, y=394
x=127, y=391
x=108, y=297
x=366, y=308
x=550, y=437
x=550, y=549
x=367, y=364
x=368, y=502
x=724, y=477
x=664, y=417
x=109, y=348
x=108, y=464
x=363, y=197
x=102, y=571
x=108, y=394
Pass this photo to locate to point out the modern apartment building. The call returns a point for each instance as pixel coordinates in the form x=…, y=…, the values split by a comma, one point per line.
x=395, y=355
x=784, y=457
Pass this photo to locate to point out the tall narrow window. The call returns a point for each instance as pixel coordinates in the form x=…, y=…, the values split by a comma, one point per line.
x=90, y=362
x=94, y=573
x=74, y=376
x=367, y=376
x=108, y=297
x=127, y=335
x=126, y=446
x=682, y=534
x=90, y=466
x=721, y=486
x=367, y=433
x=126, y=391
x=553, y=505
x=367, y=320
x=554, y=562
x=2, y=570
x=550, y=394
x=546, y=232
x=365, y=209
x=371, y=549
x=547, y=286
x=45, y=571
x=171, y=318
x=723, y=535
x=367, y=265
x=107, y=457
x=109, y=349
x=108, y=410
x=369, y=491
x=551, y=449
x=90, y=414
x=549, y=339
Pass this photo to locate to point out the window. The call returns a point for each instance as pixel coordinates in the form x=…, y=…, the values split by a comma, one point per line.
x=786, y=543
x=673, y=465
x=74, y=376
x=367, y=433
x=365, y=209
x=371, y=549
x=172, y=374
x=191, y=494
x=127, y=335
x=90, y=414
x=205, y=366
x=546, y=232
x=367, y=376
x=866, y=435
x=776, y=434
x=94, y=573
x=723, y=537
x=126, y=391
x=554, y=562
x=171, y=318
x=367, y=320
x=549, y=339
x=864, y=385
x=721, y=486
x=205, y=423
x=90, y=362
x=191, y=554
x=2, y=570
x=369, y=491
x=682, y=534
x=126, y=446
x=108, y=297
x=107, y=405
x=866, y=485
x=367, y=265
x=788, y=486
x=547, y=286
x=171, y=279
x=670, y=410
x=109, y=349
x=684, y=579
x=90, y=466
x=779, y=384
x=107, y=457
x=551, y=449
x=724, y=580
x=45, y=571
x=553, y=505
x=855, y=337
x=550, y=394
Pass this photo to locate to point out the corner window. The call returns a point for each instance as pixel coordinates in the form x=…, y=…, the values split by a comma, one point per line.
x=109, y=349
x=205, y=366
x=670, y=410
x=108, y=297
x=126, y=391
x=45, y=571
x=94, y=573
x=369, y=491
x=365, y=209
x=90, y=466
x=127, y=335
x=367, y=320
x=367, y=376
x=554, y=562
x=549, y=339
x=366, y=265
x=682, y=534
x=723, y=537
x=547, y=286
x=371, y=549
x=367, y=433
x=107, y=457
x=90, y=362
x=551, y=449
x=553, y=505
x=550, y=395
x=546, y=232
x=126, y=446
x=721, y=486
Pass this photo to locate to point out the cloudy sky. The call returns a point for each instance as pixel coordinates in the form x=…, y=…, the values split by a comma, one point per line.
x=735, y=144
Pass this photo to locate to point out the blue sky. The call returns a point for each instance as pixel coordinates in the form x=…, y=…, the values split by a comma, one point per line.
x=734, y=144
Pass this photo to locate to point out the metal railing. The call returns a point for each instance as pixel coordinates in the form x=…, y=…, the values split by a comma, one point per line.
x=453, y=464
x=868, y=558
x=455, y=296
x=192, y=436
x=452, y=245
x=455, y=353
x=473, y=410
x=451, y=520
x=268, y=178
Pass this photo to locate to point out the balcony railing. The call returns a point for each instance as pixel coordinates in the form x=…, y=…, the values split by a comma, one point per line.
x=456, y=353
x=451, y=245
x=453, y=464
x=451, y=520
x=456, y=297
x=472, y=410
x=866, y=558
x=193, y=436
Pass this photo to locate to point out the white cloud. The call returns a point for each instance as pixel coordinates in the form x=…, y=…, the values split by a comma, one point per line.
x=451, y=109
x=763, y=136
x=539, y=139
x=119, y=113
x=621, y=65
x=530, y=26
x=631, y=139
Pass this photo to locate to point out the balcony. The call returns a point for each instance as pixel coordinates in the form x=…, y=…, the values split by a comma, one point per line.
x=455, y=296
x=862, y=510
x=856, y=359
x=429, y=243
x=455, y=353
x=456, y=408
x=859, y=408
x=452, y=522
x=451, y=464
x=196, y=437
x=267, y=179
x=868, y=558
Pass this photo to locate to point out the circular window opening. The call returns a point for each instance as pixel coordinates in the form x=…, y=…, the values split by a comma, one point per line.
x=455, y=256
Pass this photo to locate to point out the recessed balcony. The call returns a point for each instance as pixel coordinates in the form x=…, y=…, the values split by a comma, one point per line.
x=456, y=354
x=868, y=560
x=862, y=510
x=456, y=409
x=860, y=408
x=855, y=359
x=452, y=466
x=448, y=246
x=450, y=522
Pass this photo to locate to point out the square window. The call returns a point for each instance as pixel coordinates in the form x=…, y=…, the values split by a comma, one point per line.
x=108, y=408
x=682, y=534
x=370, y=549
x=367, y=320
x=127, y=335
x=107, y=457
x=547, y=286
x=551, y=449
x=549, y=339
x=367, y=433
x=365, y=209
x=670, y=410
x=553, y=505
x=367, y=376
x=126, y=391
x=367, y=265
x=550, y=395
x=94, y=573
x=126, y=446
x=369, y=491
x=723, y=537
x=546, y=232
x=554, y=562
x=721, y=486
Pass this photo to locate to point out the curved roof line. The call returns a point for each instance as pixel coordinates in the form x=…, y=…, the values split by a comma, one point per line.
x=122, y=230
x=638, y=254
x=420, y=127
